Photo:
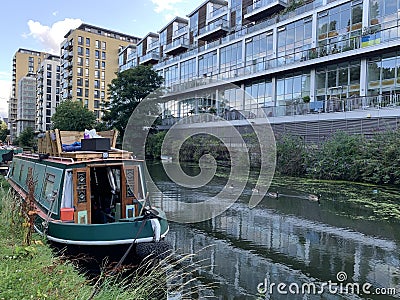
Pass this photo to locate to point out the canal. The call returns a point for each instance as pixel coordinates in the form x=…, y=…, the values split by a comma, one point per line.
x=352, y=236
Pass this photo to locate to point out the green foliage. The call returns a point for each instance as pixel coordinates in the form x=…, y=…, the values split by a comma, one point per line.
x=126, y=92
x=27, y=138
x=381, y=159
x=338, y=158
x=291, y=156
x=154, y=143
x=3, y=131
x=71, y=115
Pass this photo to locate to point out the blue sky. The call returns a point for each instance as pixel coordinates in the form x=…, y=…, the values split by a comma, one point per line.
x=41, y=25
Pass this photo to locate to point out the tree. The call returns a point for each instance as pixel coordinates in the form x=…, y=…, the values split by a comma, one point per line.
x=71, y=115
x=3, y=131
x=27, y=138
x=126, y=92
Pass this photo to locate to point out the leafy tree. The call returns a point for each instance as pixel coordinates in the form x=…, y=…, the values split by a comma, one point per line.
x=71, y=115
x=3, y=131
x=27, y=138
x=126, y=92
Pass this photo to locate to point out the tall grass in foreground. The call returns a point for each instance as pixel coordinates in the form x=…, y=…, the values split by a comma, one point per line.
x=33, y=272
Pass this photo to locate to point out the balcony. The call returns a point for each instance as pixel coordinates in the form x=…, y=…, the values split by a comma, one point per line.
x=150, y=58
x=218, y=12
x=177, y=46
x=181, y=30
x=153, y=45
x=213, y=31
x=67, y=45
x=68, y=65
x=264, y=8
x=68, y=55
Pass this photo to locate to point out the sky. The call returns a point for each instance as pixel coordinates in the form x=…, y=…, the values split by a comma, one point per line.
x=41, y=25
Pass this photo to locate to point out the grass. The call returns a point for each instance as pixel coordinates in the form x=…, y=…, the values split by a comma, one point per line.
x=34, y=272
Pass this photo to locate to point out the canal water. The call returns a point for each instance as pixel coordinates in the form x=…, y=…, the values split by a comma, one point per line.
x=291, y=241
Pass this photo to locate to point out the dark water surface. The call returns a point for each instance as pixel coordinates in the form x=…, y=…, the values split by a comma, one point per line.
x=289, y=240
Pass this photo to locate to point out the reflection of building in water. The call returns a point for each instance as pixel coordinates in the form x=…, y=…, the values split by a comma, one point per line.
x=250, y=243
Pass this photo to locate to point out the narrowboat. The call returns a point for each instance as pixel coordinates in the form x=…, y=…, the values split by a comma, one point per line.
x=92, y=202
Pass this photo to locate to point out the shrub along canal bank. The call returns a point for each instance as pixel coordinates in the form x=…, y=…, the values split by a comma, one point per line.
x=343, y=156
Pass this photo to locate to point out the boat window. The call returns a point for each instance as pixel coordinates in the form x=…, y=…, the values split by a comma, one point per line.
x=20, y=172
x=48, y=185
x=130, y=179
x=67, y=195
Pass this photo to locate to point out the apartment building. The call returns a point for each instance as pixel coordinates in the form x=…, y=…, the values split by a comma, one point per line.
x=26, y=103
x=25, y=62
x=48, y=91
x=89, y=61
x=291, y=57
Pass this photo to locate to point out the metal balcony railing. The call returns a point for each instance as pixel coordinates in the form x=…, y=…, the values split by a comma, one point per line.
x=222, y=24
x=178, y=42
x=218, y=11
x=262, y=3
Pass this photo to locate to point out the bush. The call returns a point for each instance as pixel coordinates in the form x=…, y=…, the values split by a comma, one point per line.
x=338, y=158
x=291, y=156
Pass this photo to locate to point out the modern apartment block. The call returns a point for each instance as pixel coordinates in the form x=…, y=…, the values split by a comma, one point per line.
x=89, y=63
x=26, y=103
x=292, y=57
x=25, y=62
x=48, y=91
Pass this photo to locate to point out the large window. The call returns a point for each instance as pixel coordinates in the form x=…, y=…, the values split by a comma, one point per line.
x=258, y=95
x=230, y=56
x=171, y=75
x=339, y=80
x=208, y=64
x=292, y=88
x=384, y=74
x=294, y=40
x=259, y=47
x=339, y=28
x=188, y=69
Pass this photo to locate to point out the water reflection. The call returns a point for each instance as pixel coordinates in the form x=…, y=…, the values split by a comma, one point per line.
x=289, y=240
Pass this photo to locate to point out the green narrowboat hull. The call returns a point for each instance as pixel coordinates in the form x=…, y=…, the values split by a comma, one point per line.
x=117, y=233
x=51, y=177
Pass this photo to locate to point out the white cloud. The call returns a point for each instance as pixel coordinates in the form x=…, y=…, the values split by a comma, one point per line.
x=51, y=37
x=5, y=89
x=55, y=13
x=165, y=5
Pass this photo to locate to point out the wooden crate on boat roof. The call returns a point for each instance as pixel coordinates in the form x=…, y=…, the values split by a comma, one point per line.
x=52, y=142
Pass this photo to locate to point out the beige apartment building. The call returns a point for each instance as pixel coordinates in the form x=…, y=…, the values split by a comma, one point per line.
x=25, y=62
x=89, y=61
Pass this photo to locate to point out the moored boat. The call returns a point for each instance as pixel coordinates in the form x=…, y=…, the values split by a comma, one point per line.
x=92, y=202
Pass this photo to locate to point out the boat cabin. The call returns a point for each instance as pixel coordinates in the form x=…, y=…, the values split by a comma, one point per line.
x=83, y=187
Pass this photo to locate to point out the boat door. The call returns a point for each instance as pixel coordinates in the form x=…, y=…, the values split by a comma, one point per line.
x=81, y=182
x=130, y=191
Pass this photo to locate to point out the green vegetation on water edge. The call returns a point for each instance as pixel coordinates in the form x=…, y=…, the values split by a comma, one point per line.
x=343, y=156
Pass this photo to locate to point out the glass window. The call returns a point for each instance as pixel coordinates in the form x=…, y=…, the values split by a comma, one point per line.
x=87, y=42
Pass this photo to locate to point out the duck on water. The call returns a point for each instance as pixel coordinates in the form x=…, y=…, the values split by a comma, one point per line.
x=91, y=202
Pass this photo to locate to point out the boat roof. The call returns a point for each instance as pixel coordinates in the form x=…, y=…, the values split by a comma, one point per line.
x=82, y=157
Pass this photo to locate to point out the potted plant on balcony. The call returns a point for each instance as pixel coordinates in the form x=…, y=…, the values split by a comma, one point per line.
x=306, y=99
